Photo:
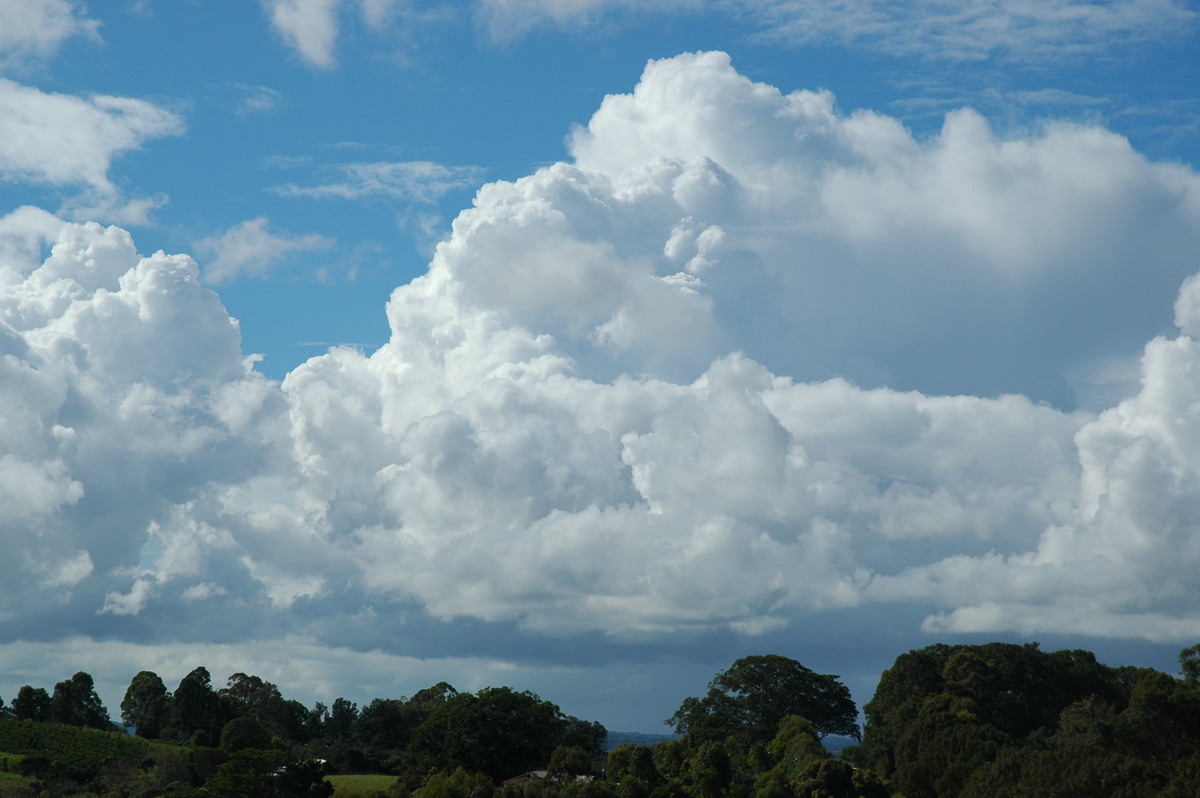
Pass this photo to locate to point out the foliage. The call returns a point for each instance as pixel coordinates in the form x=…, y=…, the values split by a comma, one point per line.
x=1007, y=720
x=997, y=720
x=749, y=699
x=76, y=703
x=459, y=784
x=77, y=752
x=196, y=712
x=146, y=705
x=31, y=703
x=497, y=731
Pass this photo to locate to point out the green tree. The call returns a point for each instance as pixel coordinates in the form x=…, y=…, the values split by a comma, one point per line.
x=748, y=700
x=568, y=763
x=196, y=711
x=76, y=703
x=146, y=705
x=244, y=732
x=631, y=770
x=252, y=696
x=497, y=731
x=1189, y=664
x=31, y=703
x=459, y=784
x=340, y=723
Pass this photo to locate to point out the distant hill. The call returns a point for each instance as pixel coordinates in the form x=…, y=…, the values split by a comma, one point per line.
x=637, y=738
x=834, y=743
x=71, y=750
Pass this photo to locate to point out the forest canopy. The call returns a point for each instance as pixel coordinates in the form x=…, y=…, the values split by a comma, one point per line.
x=946, y=720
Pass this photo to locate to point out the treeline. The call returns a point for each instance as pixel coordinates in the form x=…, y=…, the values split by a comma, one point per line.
x=247, y=739
x=991, y=720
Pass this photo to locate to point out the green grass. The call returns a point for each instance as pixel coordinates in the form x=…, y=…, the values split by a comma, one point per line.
x=367, y=784
x=12, y=784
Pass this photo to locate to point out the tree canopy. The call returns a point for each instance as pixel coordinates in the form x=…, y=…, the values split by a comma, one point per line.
x=749, y=699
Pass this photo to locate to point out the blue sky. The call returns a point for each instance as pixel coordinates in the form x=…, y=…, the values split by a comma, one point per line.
x=585, y=346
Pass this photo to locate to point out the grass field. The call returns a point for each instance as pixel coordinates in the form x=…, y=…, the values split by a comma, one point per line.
x=360, y=786
x=12, y=784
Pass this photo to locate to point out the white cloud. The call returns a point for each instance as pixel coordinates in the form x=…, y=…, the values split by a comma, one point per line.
x=507, y=19
x=123, y=385
x=958, y=29
x=411, y=181
x=611, y=403
x=32, y=30
x=66, y=141
x=249, y=249
x=312, y=27
x=1014, y=30
x=309, y=26
x=257, y=99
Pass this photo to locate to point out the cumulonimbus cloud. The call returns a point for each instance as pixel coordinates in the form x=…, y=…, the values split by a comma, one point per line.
x=613, y=403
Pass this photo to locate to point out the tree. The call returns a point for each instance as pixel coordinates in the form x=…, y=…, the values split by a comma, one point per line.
x=196, y=709
x=567, y=763
x=146, y=705
x=1189, y=664
x=497, y=731
x=254, y=697
x=631, y=769
x=31, y=703
x=242, y=733
x=340, y=723
x=76, y=703
x=749, y=699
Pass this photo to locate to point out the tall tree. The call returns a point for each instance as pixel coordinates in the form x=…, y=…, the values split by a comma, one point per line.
x=196, y=709
x=497, y=731
x=31, y=703
x=749, y=699
x=147, y=705
x=76, y=703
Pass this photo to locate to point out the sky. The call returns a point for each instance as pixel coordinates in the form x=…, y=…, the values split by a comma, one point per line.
x=585, y=346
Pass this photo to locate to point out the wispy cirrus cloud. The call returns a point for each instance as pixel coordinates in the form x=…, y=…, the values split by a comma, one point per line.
x=412, y=181
x=938, y=29
x=250, y=249
x=256, y=99
x=965, y=30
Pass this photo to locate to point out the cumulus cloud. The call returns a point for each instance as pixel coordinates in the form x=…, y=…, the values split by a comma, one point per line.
x=613, y=404
x=249, y=249
x=32, y=30
x=124, y=390
x=62, y=140
x=411, y=181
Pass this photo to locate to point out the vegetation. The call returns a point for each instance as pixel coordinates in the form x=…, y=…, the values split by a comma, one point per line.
x=993, y=720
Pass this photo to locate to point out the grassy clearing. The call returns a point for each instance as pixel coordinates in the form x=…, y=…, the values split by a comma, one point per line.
x=360, y=785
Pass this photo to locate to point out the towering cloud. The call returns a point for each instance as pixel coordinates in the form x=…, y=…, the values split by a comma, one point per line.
x=613, y=402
